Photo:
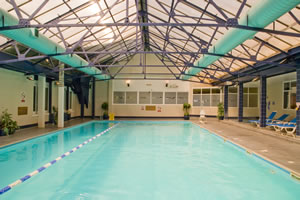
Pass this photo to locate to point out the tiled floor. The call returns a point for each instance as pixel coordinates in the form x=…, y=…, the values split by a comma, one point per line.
x=283, y=150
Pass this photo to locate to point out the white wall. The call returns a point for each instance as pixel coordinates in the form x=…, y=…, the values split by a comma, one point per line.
x=12, y=86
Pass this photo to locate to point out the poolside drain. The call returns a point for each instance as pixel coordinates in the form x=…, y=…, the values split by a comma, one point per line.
x=25, y=178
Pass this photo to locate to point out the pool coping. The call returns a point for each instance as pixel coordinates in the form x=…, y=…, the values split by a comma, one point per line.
x=293, y=174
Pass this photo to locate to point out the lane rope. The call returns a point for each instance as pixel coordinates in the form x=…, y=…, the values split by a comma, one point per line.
x=39, y=170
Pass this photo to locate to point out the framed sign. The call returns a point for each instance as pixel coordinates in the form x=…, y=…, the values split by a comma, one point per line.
x=22, y=110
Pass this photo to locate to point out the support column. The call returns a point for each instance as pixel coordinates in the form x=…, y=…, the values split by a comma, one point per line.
x=241, y=98
x=226, y=101
x=93, y=98
x=61, y=92
x=263, y=103
x=41, y=101
x=298, y=100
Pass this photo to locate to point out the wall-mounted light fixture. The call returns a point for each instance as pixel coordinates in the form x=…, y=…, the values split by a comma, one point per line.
x=128, y=83
x=57, y=83
x=167, y=83
x=255, y=79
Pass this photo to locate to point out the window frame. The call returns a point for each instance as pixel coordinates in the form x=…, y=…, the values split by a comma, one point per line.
x=289, y=91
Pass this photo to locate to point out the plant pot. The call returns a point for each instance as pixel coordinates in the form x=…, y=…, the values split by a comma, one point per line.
x=186, y=117
x=51, y=118
x=105, y=117
x=221, y=118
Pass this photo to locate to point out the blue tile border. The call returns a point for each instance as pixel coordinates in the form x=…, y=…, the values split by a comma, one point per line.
x=39, y=170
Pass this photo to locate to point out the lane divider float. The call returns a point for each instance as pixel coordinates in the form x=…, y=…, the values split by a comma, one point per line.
x=39, y=170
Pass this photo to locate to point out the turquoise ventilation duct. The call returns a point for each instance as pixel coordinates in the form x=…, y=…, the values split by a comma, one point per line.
x=260, y=15
x=37, y=41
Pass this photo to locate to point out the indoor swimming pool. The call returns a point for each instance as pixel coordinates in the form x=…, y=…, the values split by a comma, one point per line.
x=140, y=160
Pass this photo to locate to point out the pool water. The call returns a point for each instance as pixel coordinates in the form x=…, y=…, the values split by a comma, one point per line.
x=141, y=160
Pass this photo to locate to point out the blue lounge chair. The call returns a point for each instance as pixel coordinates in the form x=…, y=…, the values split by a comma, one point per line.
x=279, y=120
x=289, y=127
x=268, y=120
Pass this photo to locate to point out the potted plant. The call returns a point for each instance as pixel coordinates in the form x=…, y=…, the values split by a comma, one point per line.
x=53, y=116
x=104, y=107
x=8, y=125
x=186, y=108
x=220, y=111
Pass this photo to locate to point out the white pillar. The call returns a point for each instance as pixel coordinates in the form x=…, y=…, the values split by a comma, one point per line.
x=41, y=101
x=60, y=104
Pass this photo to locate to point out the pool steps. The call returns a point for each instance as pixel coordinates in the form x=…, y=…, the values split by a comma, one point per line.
x=25, y=178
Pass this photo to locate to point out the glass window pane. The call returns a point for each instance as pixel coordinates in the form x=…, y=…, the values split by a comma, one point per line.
x=206, y=91
x=205, y=100
x=119, y=97
x=285, y=100
x=215, y=91
x=196, y=91
x=245, y=100
x=144, y=97
x=196, y=100
x=286, y=86
x=46, y=98
x=170, y=98
x=253, y=90
x=293, y=100
x=232, y=90
x=71, y=100
x=245, y=90
x=131, y=97
x=232, y=100
x=215, y=99
x=253, y=100
x=293, y=84
x=157, y=97
x=182, y=97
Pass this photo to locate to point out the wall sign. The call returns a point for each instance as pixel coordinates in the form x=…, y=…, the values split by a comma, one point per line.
x=22, y=110
x=150, y=108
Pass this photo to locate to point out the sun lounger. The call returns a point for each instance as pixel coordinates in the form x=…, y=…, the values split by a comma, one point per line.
x=268, y=120
x=289, y=127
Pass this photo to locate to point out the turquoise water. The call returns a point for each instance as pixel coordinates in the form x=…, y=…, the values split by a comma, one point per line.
x=144, y=160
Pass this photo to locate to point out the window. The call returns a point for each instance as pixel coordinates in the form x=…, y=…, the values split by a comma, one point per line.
x=170, y=97
x=157, y=97
x=71, y=100
x=144, y=97
x=119, y=97
x=131, y=97
x=35, y=98
x=250, y=97
x=289, y=95
x=206, y=97
x=182, y=97
x=232, y=97
x=47, y=97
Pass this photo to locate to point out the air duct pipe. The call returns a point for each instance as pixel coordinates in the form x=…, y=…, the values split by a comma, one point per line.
x=260, y=15
x=39, y=42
